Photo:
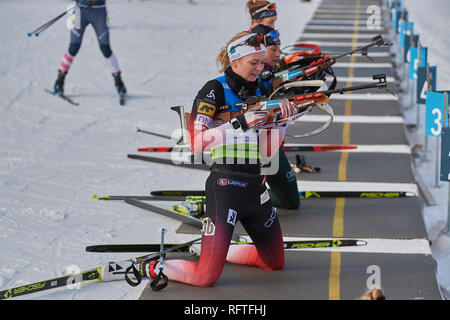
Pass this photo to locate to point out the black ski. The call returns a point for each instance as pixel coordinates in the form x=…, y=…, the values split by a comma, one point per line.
x=148, y=198
x=62, y=96
x=189, y=165
x=147, y=247
x=182, y=193
x=303, y=194
x=165, y=212
x=288, y=245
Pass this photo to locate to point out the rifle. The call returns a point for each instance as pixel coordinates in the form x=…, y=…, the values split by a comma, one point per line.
x=300, y=99
x=298, y=71
x=305, y=101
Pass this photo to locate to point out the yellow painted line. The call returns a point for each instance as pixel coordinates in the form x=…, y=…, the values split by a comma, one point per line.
x=334, y=281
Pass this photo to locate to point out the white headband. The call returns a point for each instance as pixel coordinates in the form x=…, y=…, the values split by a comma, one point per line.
x=243, y=50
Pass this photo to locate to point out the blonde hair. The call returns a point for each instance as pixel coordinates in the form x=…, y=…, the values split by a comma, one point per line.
x=256, y=3
x=222, y=60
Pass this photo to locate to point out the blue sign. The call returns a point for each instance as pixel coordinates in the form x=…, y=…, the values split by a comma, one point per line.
x=434, y=113
x=408, y=46
x=397, y=16
x=414, y=63
x=405, y=30
x=445, y=155
x=421, y=93
x=398, y=19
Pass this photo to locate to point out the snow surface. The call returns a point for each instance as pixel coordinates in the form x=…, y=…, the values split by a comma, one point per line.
x=55, y=156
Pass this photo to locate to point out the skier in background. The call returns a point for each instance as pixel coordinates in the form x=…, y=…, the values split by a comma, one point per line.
x=262, y=12
x=283, y=185
x=91, y=12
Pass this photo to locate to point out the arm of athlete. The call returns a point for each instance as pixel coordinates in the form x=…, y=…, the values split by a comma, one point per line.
x=204, y=133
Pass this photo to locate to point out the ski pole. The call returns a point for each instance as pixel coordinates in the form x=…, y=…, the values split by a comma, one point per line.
x=132, y=269
x=155, y=134
x=161, y=280
x=38, y=30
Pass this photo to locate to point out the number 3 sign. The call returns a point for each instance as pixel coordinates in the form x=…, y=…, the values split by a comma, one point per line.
x=434, y=114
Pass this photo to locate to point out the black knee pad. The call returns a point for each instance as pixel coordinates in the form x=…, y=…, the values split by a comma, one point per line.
x=106, y=50
x=73, y=49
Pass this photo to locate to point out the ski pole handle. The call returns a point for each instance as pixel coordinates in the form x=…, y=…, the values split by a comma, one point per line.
x=38, y=30
x=137, y=275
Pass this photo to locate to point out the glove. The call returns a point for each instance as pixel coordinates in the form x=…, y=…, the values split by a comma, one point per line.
x=248, y=120
x=288, y=109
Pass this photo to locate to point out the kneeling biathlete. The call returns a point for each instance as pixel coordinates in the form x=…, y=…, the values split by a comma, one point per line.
x=235, y=188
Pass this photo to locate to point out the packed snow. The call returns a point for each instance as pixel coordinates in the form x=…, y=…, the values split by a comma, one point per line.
x=56, y=156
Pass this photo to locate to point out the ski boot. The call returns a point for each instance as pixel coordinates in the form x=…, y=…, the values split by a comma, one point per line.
x=121, y=89
x=58, y=88
x=193, y=206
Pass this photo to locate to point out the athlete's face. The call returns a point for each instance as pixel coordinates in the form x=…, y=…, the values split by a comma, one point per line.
x=249, y=67
x=269, y=21
x=272, y=54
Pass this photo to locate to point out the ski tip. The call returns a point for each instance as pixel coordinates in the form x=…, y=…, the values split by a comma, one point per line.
x=29, y=34
x=37, y=34
x=361, y=243
x=96, y=197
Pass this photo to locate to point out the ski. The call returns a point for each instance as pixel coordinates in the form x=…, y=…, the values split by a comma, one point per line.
x=157, y=149
x=149, y=198
x=183, y=193
x=107, y=272
x=150, y=247
x=62, y=96
x=189, y=165
x=355, y=194
x=84, y=276
x=314, y=148
x=288, y=245
x=303, y=194
x=165, y=212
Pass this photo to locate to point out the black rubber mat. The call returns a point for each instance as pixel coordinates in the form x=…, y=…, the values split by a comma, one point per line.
x=366, y=218
x=311, y=29
x=365, y=108
x=363, y=72
x=305, y=277
x=360, y=133
x=366, y=167
x=403, y=276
